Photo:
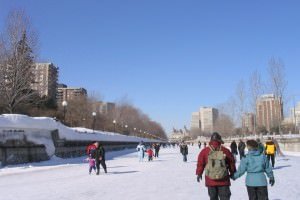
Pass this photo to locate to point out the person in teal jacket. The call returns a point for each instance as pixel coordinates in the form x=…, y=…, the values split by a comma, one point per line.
x=256, y=165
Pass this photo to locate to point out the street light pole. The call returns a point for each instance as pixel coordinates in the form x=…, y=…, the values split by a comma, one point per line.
x=126, y=129
x=114, y=122
x=94, y=120
x=65, y=104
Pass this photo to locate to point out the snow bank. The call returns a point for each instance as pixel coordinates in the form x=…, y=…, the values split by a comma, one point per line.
x=37, y=130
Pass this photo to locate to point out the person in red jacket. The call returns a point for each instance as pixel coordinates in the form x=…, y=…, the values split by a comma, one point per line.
x=219, y=165
x=150, y=154
x=91, y=149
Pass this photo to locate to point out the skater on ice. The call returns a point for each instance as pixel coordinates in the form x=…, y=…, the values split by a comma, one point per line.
x=141, y=151
x=218, y=164
x=256, y=165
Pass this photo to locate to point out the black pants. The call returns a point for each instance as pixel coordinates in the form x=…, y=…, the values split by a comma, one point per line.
x=156, y=154
x=258, y=193
x=220, y=192
x=242, y=154
x=103, y=164
x=272, y=157
x=184, y=157
x=150, y=158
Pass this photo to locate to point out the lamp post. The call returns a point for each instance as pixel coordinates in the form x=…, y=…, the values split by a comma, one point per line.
x=126, y=129
x=64, y=104
x=134, y=130
x=94, y=114
x=114, y=122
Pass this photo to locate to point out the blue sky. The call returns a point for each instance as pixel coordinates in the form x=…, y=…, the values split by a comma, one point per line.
x=169, y=57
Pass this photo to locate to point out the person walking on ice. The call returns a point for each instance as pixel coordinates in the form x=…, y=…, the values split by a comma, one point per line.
x=141, y=151
x=218, y=164
x=256, y=165
x=270, y=150
x=92, y=164
x=184, y=151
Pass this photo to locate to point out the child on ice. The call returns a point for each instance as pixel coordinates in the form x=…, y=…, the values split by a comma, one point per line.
x=150, y=154
x=92, y=164
x=256, y=165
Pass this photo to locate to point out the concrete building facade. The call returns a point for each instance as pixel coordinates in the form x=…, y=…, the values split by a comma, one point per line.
x=208, y=117
x=45, y=79
x=68, y=93
x=269, y=111
x=248, y=122
x=195, y=121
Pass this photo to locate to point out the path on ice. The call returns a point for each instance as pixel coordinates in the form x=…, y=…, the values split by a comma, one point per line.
x=127, y=179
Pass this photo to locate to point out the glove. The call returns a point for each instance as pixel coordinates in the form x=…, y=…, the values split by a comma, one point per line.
x=199, y=177
x=272, y=181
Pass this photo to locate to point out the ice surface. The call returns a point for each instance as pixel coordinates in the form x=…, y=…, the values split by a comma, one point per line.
x=127, y=179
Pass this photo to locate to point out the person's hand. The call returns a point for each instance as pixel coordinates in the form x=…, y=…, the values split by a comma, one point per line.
x=199, y=177
x=272, y=181
x=232, y=177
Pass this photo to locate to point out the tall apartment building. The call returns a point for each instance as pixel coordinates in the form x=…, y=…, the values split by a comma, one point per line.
x=295, y=115
x=195, y=121
x=65, y=93
x=45, y=79
x=208, y=117
x=269, y=111
x=248, y=122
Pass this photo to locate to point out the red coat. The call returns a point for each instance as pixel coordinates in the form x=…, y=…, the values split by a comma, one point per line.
x=203, y=159
x=89, y=148
x=150, y=152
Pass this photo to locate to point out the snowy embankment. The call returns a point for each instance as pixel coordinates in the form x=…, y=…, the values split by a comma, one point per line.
x=37, y=130
x=165, y=178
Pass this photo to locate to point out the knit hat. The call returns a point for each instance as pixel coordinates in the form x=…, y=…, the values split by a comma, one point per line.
x=252, y=145
x=216, y=137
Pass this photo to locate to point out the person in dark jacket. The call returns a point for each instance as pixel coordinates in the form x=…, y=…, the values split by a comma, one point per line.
x=100, y=158
x=234, y=150
x=156, y=149
x=242, y=147
x=199, y=144
x=184, y=150
x=217, y=188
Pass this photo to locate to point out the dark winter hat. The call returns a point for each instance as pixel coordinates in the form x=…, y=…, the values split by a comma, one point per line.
x=252, y=145
x=216, y=137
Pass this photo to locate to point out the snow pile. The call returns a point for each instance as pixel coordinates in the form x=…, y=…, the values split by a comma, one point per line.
x=37, y=130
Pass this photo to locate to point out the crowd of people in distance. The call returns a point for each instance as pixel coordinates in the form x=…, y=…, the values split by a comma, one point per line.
x=142, y=149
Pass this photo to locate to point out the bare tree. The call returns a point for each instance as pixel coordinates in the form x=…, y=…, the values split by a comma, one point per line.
x=256, y=90
x=278, y=84
x=241, y=100
x=224, y=125
x=17, y=59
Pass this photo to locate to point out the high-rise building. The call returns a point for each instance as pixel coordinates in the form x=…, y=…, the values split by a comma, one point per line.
x=295, y=115
x=45, y=79
x=269, y=111
x=248, y=122
x=208, y=117
x=67, y=93
x=195, y=121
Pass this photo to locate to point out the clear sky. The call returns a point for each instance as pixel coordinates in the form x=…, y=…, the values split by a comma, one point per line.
x=169, y=57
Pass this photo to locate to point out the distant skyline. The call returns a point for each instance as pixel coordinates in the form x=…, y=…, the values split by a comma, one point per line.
x=168, y=57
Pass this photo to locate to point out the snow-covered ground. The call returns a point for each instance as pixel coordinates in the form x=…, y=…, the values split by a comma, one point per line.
x=127, y=179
